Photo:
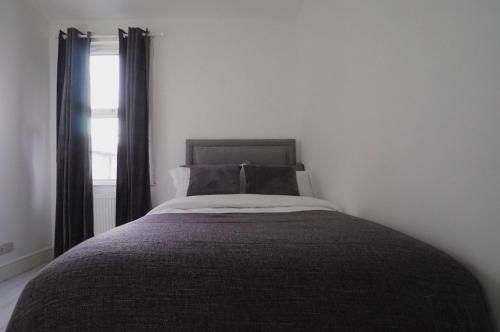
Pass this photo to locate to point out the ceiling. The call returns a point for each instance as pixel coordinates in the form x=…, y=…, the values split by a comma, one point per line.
x=127, y=9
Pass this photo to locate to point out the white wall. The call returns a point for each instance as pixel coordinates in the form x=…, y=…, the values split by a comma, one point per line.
x=24, y=131
x=399, y=108
x=401, y=111
x=213, y=78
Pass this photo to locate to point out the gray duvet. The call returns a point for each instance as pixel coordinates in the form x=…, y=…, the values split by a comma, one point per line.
x=300, y=271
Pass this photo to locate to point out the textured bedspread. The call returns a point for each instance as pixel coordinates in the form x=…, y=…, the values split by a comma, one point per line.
x=312, y=270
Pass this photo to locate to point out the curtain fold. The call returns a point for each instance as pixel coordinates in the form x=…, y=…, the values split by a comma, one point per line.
x=74, y=201
x=61, y=64
x=133, y=196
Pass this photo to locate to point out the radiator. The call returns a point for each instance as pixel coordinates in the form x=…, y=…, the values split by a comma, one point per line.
x=104, y=208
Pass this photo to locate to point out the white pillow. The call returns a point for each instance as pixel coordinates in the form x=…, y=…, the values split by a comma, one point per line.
x=304, y=184
x=180, y=177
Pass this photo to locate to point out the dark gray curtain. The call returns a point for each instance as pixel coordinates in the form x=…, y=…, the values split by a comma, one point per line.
x=133, y=196
x=74, y=205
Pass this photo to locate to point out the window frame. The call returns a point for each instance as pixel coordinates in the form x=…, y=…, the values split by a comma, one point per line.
x=97, y=48
x=104, y=114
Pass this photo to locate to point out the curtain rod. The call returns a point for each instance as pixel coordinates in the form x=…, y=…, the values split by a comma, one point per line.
x=159, y=34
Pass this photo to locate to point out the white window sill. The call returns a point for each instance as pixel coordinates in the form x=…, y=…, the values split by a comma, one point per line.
x=111, y=183
x=108, y=183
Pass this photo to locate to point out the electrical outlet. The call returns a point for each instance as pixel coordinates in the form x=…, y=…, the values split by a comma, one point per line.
x=6, y=248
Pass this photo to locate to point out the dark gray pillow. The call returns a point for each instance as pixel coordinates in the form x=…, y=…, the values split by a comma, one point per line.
x=271, y=180
x=214, y=180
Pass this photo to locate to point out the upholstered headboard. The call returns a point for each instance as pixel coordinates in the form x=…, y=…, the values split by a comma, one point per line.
x=238, y=151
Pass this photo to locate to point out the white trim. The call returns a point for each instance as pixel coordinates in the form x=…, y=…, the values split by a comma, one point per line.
x=25, y=263
x=104, y=48
x=104, y=113
x=104, y=182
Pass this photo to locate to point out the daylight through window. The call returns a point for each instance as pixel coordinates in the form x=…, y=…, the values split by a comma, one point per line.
x=104, y=82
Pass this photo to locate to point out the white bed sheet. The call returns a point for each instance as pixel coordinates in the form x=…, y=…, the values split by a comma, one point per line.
x=243, y=203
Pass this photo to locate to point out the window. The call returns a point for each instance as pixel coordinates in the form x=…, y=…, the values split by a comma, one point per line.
x=104, y=82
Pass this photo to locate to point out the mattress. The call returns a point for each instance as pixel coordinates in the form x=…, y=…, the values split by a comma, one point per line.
x=252, y=264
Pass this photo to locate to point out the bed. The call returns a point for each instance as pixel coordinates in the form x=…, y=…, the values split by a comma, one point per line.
x=248, y=262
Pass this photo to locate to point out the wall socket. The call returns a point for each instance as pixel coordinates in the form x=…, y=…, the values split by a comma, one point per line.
x=5, y=248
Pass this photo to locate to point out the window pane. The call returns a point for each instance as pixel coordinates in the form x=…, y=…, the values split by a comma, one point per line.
x=104, y=148
x=104, y=78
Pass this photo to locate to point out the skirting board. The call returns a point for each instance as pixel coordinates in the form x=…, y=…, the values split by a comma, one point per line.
x=26, y=263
